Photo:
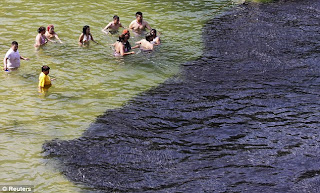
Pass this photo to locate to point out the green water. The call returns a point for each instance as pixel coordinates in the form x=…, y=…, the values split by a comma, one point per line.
x=88, y=80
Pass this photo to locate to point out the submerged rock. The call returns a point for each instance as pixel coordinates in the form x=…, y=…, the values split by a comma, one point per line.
x=242, y=118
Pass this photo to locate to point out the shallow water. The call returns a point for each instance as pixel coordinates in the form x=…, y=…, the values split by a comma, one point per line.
x=88, y=80
x=242, y=118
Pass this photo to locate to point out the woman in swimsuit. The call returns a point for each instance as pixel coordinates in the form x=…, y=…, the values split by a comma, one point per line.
x=86, y=36
x=51, y=34
x=156, y=39
x=41, y=39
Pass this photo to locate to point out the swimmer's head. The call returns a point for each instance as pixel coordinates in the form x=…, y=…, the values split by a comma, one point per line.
x=139, y=16
x=149, y=37
x=153, y=32
x=14, y=46
x=45, y=69
x=86, y=29
x=116, y=19
x=122, y=38
x=50, y=28
x=41, y=29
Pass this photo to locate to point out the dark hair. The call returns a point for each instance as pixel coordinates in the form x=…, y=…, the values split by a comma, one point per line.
x=154, y=31
x=139, y=13
x=14, y=43
x=115, y=17
x=45, y=68
x=41, y=29
x=84, y=30
x=149, y=37
x=121, y=38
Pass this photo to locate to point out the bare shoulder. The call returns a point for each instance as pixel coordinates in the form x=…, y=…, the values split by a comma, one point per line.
x=145, y=22
x=133, y=22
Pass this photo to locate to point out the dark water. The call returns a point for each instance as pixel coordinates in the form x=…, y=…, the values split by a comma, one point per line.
x=242, y=118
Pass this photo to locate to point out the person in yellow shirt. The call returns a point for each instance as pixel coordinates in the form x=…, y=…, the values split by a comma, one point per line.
x=44, y=79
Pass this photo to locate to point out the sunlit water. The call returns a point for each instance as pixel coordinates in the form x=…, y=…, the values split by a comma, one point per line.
x=88, y=80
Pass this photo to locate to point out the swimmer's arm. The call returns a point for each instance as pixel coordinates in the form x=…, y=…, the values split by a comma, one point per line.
x=56, y=36
x=122, y=53
x=23, y=58
x=128, y=53
x=148, y=26
x=137, y=45
x=48, y=40
x=104, y=30
x=5, y=63
x=81, y=39
x=38, y=42
x=41, y=83
x=157, y=41
x=93, y=39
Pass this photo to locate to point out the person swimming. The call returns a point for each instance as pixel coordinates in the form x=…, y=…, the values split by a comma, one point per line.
x=41, y=39
x=113, y=26
x=139, y=25
x=146, y=44
x=86, y=36
x=156, y=39
x=122, y=47
x=51, y=34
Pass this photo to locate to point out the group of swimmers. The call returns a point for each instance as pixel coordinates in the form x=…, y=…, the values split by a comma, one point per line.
x=121, y=48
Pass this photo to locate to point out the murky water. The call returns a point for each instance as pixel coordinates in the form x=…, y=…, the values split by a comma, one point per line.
x=88, y=80
x=243, y=118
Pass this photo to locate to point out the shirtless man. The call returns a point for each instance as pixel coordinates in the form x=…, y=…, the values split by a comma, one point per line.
x=113, y=26
x=138, y=24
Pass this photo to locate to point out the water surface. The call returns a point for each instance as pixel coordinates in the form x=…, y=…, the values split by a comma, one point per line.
x=89, y=80
x=244, y=117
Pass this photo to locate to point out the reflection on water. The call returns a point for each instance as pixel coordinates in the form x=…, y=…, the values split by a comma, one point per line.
x=242, y=118
x=88, y=80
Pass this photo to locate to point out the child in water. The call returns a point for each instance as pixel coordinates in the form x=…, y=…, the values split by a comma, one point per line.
x=86, y=36
x=113, y=26
x=44, y=79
